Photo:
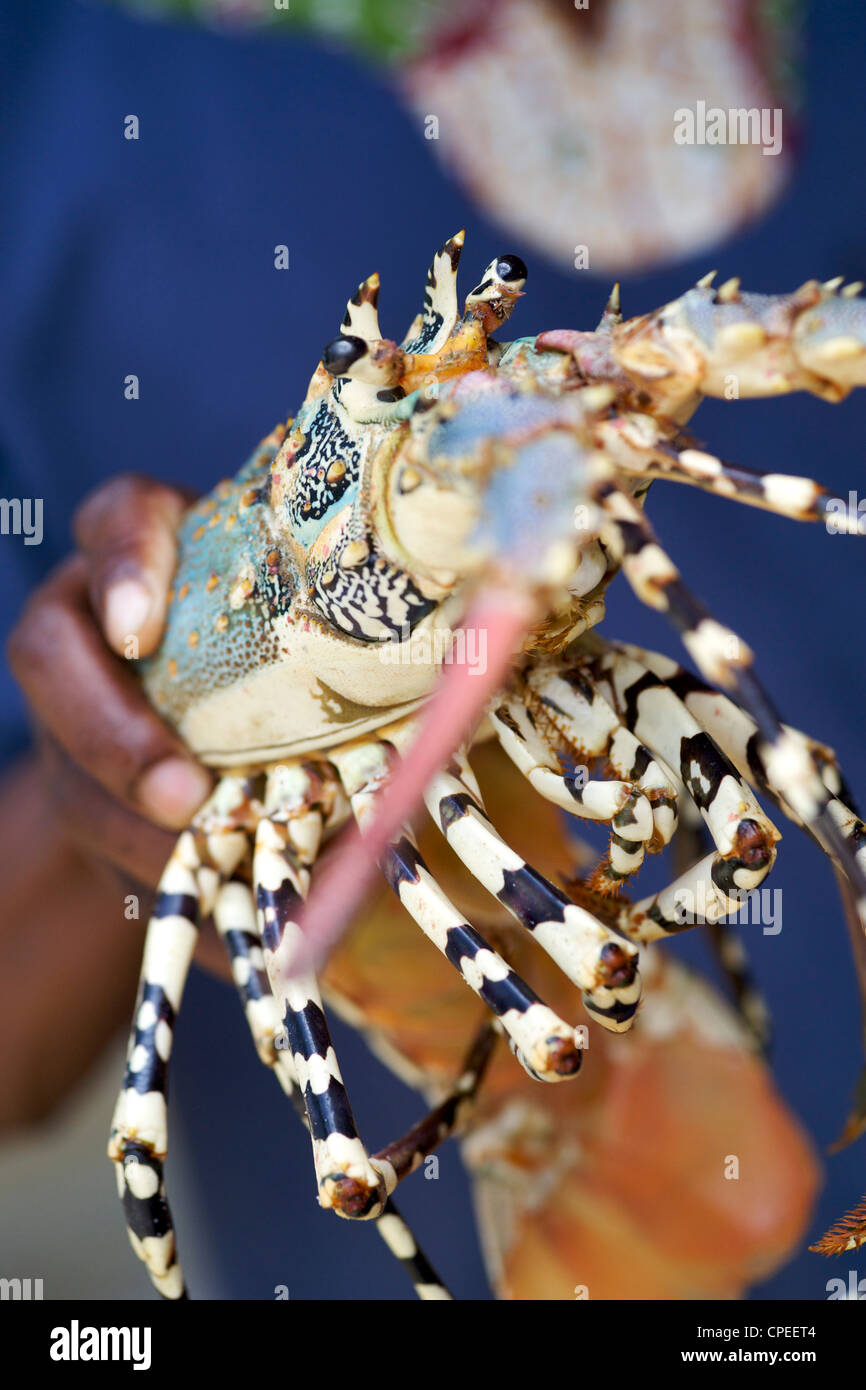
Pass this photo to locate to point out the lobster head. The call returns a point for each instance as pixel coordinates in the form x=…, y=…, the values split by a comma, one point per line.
x=480, y=451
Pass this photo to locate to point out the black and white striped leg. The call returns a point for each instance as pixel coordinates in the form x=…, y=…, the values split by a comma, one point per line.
x=723, y=658
x=236, y=922
x=744, y=837
x=736, y=733
x=547, y=1047
x=287, y=839
x=599, y=962
x=399, y=1239
x=550, y=726
x=691, y=844
x=235, y=919
x=139, y=1135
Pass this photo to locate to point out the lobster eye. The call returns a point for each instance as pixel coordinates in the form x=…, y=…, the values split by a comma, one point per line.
x=510, y=268
x=341, y=353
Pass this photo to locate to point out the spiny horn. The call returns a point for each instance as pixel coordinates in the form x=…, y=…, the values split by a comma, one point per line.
x=612, y=309
x=362, y=311
x=729, y=292
x=431, y=328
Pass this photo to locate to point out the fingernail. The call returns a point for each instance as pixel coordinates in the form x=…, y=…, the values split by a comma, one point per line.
x=127, y=604
x=172, y=791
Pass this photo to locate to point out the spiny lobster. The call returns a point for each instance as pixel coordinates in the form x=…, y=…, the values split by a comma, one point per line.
x=456, y=480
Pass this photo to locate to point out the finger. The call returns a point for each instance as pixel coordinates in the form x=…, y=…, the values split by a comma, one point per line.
x=126, y=530
x=100, y=826
x=134, y=851
x=94, y=707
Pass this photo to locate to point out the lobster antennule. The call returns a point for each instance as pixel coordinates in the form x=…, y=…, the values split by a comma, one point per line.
x=497, y=292
x=504, y=615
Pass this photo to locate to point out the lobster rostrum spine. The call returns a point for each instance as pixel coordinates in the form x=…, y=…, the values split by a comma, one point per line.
x=413, y=477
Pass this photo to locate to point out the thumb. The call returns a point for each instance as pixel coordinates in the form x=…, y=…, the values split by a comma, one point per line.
x=126, y=532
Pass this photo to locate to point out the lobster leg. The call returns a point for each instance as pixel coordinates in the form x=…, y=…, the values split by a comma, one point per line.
x=443, y=1122
x=744, y=837
x=788, y=763
x=691, y=843
x=235, y=920
x=557, y=719
x=286, y=842
x=575, y=694
x=737, y=734
x=543, y=1043
x=785, y=494
x=722, y=657
x=602, y=966
x=139, y=1135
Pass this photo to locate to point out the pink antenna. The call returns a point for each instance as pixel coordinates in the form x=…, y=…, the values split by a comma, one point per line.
x=454, y=712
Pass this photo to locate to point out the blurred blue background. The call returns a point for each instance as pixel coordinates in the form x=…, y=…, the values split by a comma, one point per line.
x=156, y=257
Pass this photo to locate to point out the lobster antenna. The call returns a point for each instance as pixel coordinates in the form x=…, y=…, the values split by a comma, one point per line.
x=505, y=614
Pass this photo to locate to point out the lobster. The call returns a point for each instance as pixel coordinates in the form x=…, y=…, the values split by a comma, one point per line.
x=404, y=585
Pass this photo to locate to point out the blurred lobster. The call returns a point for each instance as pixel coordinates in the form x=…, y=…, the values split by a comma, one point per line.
x=412, y=571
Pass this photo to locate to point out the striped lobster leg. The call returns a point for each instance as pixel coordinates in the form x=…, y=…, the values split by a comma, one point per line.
x=691, y=844
x=573, y=703
x=600, y=963
x=544, y=1044
x=640, y=448
x=399, y=1239
x=236, y=922
x=299, y=799
x=558, y=719
x=736, y=733
x=209, y=850
x=744, y=837
x=722, y=657
x=787, y=762
x=405, y=1155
